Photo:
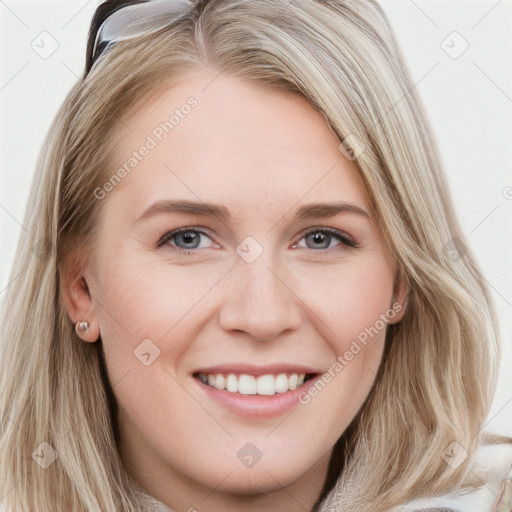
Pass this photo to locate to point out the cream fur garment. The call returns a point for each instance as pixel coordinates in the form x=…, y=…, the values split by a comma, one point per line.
x=494, y=462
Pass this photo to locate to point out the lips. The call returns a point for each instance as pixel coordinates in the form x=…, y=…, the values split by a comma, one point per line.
x=256, y=392
x=246, y=384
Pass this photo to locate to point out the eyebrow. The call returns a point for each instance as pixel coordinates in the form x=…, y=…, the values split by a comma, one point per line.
x=313, y=210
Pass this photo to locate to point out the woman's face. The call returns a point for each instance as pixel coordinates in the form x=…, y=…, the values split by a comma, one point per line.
x=269, y=293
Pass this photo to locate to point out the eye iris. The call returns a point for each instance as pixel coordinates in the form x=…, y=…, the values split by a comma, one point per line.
x=319, y=237
x=189, y=237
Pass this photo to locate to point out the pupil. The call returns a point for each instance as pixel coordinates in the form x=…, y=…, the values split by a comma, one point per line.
x=188, y=237
x=318, y=238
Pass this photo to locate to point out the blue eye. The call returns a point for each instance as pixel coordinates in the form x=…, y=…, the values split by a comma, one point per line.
x=319, y=238
x=187, y=240
x=191, y=239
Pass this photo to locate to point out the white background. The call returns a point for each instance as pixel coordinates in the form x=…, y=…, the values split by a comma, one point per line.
x=468, y=100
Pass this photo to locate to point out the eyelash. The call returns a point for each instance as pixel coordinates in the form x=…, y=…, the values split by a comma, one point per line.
x=346, y=240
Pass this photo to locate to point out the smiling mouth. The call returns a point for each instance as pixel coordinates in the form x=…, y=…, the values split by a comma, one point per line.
x=245, y=384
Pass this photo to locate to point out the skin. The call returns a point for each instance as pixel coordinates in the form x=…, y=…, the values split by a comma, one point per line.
x=261, y=153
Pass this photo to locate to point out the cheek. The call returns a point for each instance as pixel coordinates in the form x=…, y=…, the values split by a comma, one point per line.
x=140, y=300
x=352, y=311
x=348, y=299
x=156, y=299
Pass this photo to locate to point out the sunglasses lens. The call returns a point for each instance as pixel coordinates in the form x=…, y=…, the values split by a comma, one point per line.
x=135, y=20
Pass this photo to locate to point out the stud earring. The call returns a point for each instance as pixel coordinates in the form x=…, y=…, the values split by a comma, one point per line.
x=81, y=327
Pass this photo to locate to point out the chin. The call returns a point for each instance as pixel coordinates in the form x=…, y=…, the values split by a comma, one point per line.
x=250, y=482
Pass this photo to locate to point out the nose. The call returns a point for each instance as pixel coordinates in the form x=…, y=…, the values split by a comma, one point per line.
x=259, y=301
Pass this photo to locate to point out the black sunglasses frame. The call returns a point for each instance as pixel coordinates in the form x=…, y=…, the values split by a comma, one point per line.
x=103, y=12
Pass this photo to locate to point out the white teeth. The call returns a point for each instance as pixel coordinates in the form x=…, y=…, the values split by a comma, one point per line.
x=232, y=383
x=265, y=385
x=281, y=383
x=249, y=385
x=220, y=382
x=293, y=379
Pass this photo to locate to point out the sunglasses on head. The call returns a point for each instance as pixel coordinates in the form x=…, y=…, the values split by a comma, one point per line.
x=119, y=20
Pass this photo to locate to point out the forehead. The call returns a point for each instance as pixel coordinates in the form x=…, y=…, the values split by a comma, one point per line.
x=224, y=139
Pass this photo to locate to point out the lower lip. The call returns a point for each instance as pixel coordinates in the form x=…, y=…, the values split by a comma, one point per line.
x=257, y=406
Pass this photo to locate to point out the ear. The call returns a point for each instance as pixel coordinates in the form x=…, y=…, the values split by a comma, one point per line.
x=76, y=298
x=399, y=300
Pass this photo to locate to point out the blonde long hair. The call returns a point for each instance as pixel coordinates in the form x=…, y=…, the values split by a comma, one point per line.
x=438, y=375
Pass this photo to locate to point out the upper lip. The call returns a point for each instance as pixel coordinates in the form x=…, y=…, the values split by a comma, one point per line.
x=242, y=368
